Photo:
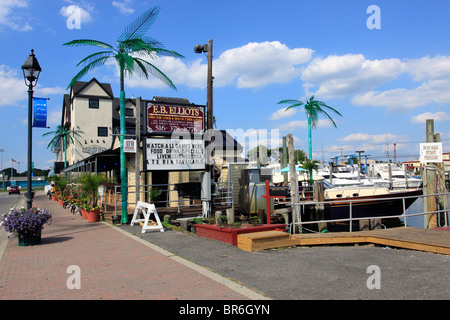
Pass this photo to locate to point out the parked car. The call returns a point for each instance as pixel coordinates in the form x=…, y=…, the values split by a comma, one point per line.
x=14, y=189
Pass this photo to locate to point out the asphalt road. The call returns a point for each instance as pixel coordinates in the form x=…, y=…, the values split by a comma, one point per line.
x=319, y=273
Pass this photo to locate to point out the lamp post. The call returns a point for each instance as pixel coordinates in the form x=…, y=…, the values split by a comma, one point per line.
x=31, y=71
x=208, y=48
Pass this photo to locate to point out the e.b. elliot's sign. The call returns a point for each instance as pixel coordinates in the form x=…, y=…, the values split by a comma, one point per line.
x=166, y=119
x=175, y=154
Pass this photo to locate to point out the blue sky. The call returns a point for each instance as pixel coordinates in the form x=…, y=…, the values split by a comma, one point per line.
x=385, y=82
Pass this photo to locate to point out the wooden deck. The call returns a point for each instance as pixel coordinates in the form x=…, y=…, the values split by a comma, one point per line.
x=436, y=241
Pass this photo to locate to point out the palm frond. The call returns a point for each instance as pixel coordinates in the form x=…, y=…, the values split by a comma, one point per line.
x=87, y=42
x=91, y=66
x=155, y=72
x=293, y=103
x=90, y=58
x=142, y=71
x=139, y=27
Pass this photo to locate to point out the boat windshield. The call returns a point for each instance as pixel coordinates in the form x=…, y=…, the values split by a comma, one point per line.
x=328, y=185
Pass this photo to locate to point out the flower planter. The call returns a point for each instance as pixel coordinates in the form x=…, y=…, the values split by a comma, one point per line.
x=93, y=215
x=229, y=235
x=29, y=239
x=83, y=213
x=54, y=198
x=60, y=201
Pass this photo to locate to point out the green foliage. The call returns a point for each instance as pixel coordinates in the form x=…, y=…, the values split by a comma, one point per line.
x=64, y=134
x=133, y=47
x=313, y=109
x=89, y=185
x=154, y=193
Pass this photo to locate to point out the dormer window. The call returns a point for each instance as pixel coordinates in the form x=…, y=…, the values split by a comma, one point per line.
x=93, y=104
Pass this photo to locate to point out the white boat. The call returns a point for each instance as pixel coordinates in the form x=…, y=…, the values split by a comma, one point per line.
x=346, y=176
x=398, y=178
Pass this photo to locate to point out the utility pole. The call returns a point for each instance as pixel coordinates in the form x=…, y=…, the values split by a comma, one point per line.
x=293, y=181
x=137, y=159
x=359, y=164
x=284, y=160
x=430, y=183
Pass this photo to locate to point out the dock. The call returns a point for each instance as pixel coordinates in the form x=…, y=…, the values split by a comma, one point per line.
x=429, y=240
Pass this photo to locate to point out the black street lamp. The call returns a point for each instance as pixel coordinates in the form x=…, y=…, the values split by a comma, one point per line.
x=31, y=71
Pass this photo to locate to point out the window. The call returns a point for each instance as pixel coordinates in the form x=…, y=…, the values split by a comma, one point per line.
x=93, y=103
x=102, y=131
x=129, y=112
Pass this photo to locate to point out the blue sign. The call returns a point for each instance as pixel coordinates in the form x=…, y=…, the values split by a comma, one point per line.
x=40, y=112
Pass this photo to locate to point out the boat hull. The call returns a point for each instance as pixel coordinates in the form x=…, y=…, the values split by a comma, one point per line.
x=370, y=206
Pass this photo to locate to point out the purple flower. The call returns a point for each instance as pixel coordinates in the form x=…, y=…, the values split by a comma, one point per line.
x=19, y=222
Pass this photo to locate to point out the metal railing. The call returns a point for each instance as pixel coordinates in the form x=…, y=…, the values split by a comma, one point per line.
x=223, y=195
x=352, y=202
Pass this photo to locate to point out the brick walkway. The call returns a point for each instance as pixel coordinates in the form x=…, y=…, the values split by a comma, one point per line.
x=112, y=264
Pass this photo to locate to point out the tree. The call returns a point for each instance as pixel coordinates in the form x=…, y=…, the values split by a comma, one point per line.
x=132, y=47
x=313, y=109
x=63, y=133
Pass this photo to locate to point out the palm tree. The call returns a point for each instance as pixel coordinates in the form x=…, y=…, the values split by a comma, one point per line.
x=310, y=165
x=313, y=109
x=63, y=133
x=132, y=47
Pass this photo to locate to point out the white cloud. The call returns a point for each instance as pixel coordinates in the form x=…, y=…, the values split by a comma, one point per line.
x=13, y=89
x=256, y=65
x=124, y=7
x=436, y=116
x=253, y=65
x=433, y=75
x=283, y=113
x=435, y=91
x=12, y=86
x=375, y=138
x=302, y=124
x=10, y=16
x=339, y=76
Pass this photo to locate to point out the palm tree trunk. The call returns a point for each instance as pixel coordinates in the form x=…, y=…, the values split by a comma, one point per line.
x=123, y=160
x=310, y=146
x=65, y=152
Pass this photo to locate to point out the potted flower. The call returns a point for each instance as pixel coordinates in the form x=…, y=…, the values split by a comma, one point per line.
x=89, y=185
x=26, y=225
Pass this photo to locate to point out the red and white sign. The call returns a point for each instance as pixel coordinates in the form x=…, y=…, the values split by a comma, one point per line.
x=166, y=119
x=129, y=146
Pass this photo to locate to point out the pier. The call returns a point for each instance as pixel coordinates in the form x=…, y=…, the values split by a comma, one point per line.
x=429, y=240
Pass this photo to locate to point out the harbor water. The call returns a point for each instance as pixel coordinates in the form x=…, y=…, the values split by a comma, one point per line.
x=416, y=207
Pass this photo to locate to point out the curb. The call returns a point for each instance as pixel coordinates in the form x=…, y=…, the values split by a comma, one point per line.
x=4, y=239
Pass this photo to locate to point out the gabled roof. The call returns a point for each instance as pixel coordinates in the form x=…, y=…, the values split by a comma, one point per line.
x=79, y=86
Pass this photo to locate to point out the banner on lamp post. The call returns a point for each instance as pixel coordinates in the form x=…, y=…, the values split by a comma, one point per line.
x=40, y=112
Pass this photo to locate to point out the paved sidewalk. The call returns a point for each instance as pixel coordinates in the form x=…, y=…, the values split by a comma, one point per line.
x=113, y=264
